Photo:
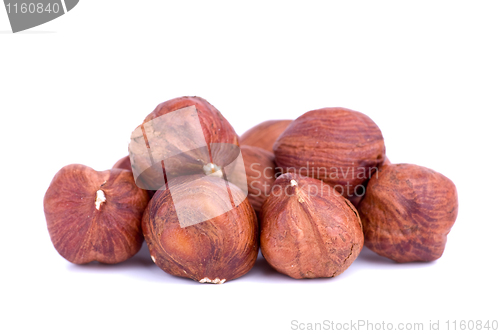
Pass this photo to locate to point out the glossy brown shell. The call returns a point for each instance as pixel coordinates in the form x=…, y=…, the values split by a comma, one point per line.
x=216, y=250
x=80, y=232
x=308, y=230
x=216, y=128
x=264, y=134
x=408, y=212
x=340, y=146
x=220, y=143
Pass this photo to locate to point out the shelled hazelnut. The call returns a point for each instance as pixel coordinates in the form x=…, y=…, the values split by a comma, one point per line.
x=408, y=212
x=339, y=146
x=195, y=195
x=203, y=228
x=309, y=230
x=182, y=136
x=94, y=216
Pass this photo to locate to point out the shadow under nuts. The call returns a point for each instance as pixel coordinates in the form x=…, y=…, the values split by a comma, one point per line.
x=308, y=229
x=94, y=216
x=407, y=212
x=219, y=239
x=339, y=146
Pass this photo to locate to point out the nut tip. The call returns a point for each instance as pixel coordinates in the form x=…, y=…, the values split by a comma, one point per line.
x=294, y=183
x=99, y=199
x=212, y=170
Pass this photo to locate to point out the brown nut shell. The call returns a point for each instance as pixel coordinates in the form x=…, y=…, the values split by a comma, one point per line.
x=213, y=251
x=408, y=212
x=309, y=230
x=192, y=138
x=94, y=216
x=340, y=146
x=264, y=134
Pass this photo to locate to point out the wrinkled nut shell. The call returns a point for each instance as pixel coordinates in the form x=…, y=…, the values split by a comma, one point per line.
x=408, y=212
x=94, y=216
x=186, y=154
x=340, y=146
x=216, y=128
x=213, y=251
x=308, y=230
x=264, y=134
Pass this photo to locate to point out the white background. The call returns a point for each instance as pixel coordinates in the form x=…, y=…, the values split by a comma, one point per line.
x=72, y=91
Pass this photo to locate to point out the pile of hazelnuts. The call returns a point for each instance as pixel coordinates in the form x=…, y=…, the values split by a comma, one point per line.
x=309, y=192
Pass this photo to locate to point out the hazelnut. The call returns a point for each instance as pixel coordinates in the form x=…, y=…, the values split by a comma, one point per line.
x=123, y=163
x=309, y=230
x=94, y=216
x=182, y=136
x=203, y=228
x=264, y=134
x=339, y=146
x=407, y=212
x=260, y=174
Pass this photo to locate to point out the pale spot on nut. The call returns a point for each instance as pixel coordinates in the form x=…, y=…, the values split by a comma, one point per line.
x=153, y=258
x=212, y=170
x=99, y=199
x=294, y=183
x=216, y=280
